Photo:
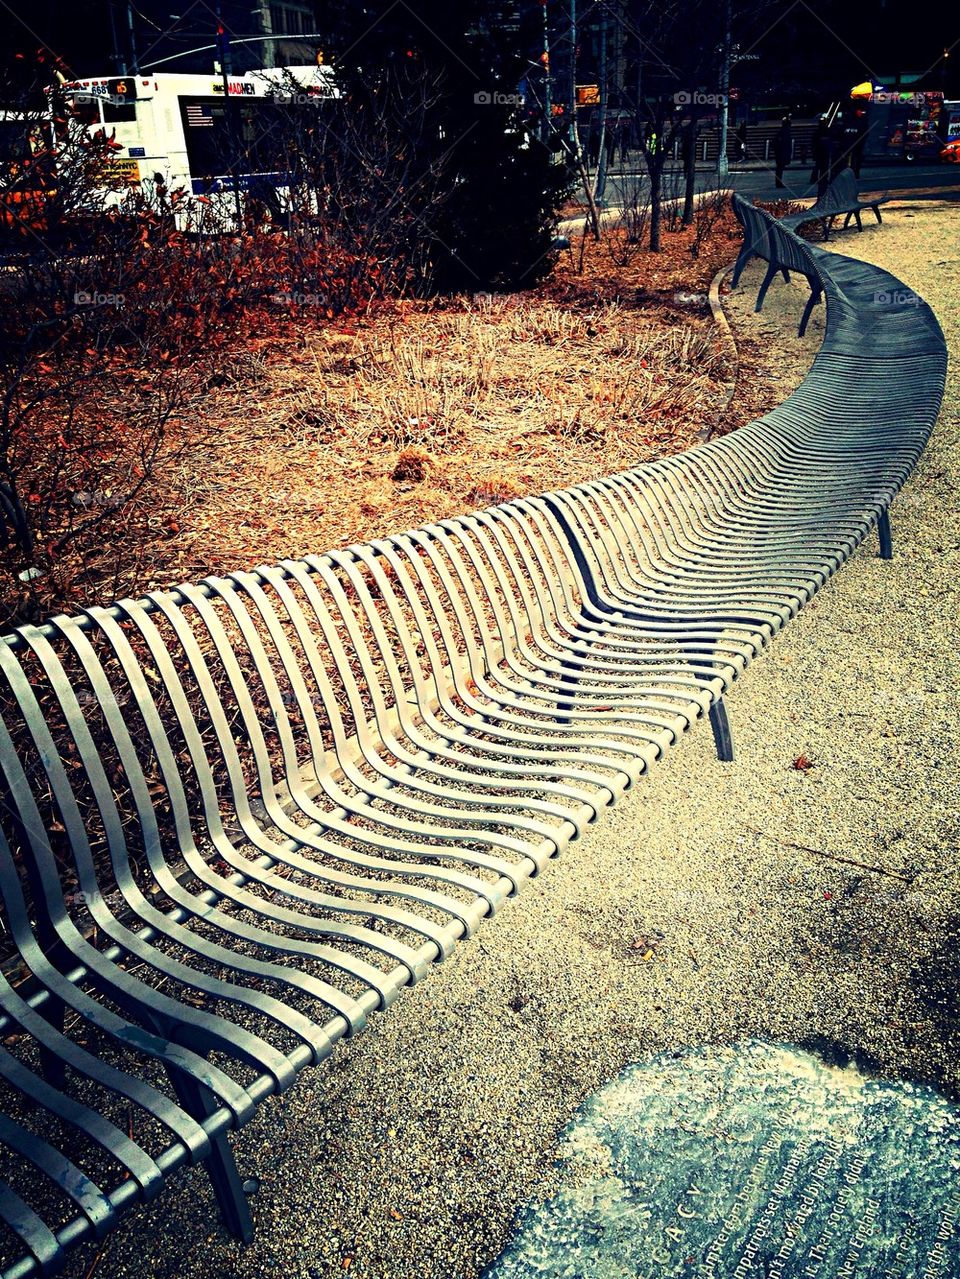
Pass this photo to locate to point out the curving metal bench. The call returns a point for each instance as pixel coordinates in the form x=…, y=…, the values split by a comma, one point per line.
x=765, y=238
x=242, y=816
x=840, y=199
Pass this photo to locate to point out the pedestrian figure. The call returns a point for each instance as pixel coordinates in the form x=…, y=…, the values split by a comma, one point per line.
x=593, y=146
x=631, y=135
x=688, y=145
x=611, y=139
x=783, y=148
x=742, y=140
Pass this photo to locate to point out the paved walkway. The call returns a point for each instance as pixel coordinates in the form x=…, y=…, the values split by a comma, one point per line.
x=690, y=916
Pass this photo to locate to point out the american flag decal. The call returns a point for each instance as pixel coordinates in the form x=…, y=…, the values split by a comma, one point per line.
x=199, y=117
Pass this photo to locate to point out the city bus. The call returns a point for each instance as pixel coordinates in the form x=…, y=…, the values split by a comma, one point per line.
x=219, y=139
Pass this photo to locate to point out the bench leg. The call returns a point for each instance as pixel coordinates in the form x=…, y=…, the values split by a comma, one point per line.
x=812, y=300
x=52, y=1067
x=220, y=1164
x=846, y=220
x=722, y=737
x=883, y=532
x=859, y=222
x=772, y=270
x=825, y=223
x=876, y=210
x=743, y=257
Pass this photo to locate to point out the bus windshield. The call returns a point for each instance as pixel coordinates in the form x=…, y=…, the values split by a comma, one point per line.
x=223, y=137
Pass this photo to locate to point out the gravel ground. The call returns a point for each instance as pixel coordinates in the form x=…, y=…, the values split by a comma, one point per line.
x=692, y=915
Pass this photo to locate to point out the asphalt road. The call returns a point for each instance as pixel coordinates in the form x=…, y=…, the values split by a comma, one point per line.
x=941, y=180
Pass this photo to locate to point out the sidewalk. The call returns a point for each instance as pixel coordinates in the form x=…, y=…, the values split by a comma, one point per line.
x=688, y=916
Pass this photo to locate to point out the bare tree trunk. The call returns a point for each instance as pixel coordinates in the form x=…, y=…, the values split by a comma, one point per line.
x=723, y=167
x=689, y=168
x=655, y=168
x=572, y=94
x=594, y=218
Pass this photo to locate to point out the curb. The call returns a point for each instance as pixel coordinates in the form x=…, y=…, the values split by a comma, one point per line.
x=608, y=216
x=726, y=334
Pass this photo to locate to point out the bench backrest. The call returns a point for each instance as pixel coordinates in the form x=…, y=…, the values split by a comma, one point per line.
x=841, y=193
x=789, y=250
x=169, y=722
x=311, y=654
x=776, y=244
x=756, y=236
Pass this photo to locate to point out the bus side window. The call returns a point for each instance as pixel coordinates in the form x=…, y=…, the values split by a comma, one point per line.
x=207, y=137
x=119, y=112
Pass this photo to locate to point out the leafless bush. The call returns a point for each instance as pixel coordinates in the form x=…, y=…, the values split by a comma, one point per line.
x=95, y=360
x=634, y=220
x=708, y=211
x=672, y=199
x=108, y=319
x=363, y=184
x=116, y=313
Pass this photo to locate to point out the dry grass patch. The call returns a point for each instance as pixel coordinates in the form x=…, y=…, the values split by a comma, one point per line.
x=420, y=412
x=319, y=434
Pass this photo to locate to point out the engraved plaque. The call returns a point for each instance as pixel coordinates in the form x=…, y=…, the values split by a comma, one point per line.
x=758, y=1161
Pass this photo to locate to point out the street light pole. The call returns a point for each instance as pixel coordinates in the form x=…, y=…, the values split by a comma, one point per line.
x=572, y=105
x=119, y=61
x=233, y=134
x=132, y=39
x=723, y=167
x=547, y=87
